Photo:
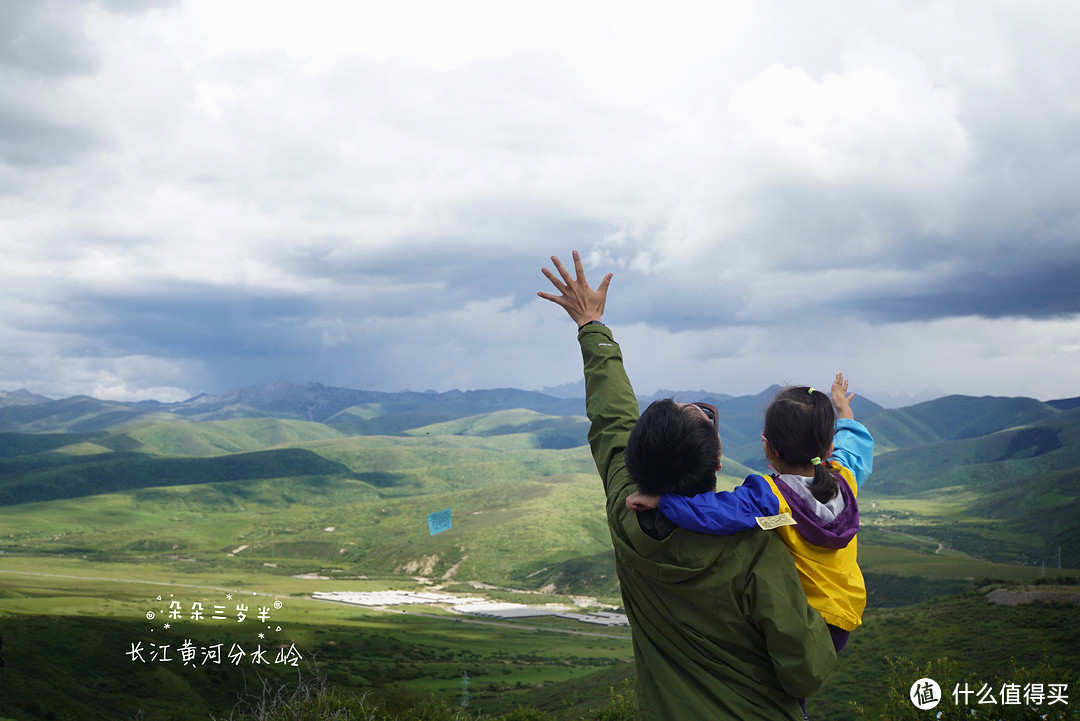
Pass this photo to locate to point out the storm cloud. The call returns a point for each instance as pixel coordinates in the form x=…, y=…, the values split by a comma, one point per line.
x=198, y=195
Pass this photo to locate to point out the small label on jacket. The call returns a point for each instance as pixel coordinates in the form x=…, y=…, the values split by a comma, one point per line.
x=768, y=523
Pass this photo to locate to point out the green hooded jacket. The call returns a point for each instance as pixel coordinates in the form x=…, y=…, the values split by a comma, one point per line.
x=721, y=627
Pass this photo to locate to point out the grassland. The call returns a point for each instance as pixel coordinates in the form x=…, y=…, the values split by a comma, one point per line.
x=78, y=575
x=77, y=619
x=76, y=624
x=102, y=601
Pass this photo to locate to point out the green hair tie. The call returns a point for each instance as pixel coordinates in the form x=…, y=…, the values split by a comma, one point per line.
x=815, y=461
x=811, y=391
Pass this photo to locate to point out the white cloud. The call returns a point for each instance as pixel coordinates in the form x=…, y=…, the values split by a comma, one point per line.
x=309, y=179
x=881, y=119
x=970, y=356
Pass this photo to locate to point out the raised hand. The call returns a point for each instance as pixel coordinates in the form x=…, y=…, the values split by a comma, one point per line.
x=841, y=399
x=578, y=299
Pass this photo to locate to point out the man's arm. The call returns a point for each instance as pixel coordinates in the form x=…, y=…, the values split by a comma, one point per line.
x=796, y=637
x=610, y=404
x=609, y=398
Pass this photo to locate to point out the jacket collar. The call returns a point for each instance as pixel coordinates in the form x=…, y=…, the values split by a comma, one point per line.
x=839, y=532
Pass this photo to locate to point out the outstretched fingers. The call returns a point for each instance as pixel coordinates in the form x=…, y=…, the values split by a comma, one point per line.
x=554, y=281
x=579, y=271
x=840, y=384
x=602, y=288
x=565, y=273
x=579, y=276
x=582, y=302
x=841, y=398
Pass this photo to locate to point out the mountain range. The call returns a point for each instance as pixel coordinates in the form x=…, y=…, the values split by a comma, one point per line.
x=354, y=411
x=289, y=488
x=349, y=412
x=1009, y=459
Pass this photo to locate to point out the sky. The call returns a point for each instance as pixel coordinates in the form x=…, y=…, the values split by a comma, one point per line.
x=197, y=196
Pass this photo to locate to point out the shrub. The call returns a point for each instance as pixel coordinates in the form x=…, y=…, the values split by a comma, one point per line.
x=620, y=706
x=904, y=673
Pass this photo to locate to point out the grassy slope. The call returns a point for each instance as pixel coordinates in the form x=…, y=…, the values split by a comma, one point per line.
x=528, y=516
x=222, y=437
x=39, y=478
x=988, y=463
x=1012, y=495
x=509, y=499
x=40, y=617
x=984, y=641
x=509, y=496
x=78, y=414
x=955, y=418
x=82, y=648
x=549, y=431
x=488, y=424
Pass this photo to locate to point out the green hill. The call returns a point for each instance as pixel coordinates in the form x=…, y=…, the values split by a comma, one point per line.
x=257, y=503
x=13, y=445
x=219, y=437
x=59, y=476
x=549, y=431
x=954, y=418
x=78, y=414
x=988, y=464
x=1006, y=494
x=1011, y=495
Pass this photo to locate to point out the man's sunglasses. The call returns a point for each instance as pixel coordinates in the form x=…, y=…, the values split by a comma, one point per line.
x=710, y=413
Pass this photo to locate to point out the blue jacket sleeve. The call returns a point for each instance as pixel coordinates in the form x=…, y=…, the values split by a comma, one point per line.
x=724, y=513
x=853, y=447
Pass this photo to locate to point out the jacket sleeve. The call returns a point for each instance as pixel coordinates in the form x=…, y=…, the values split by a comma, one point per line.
x=796, y=637
x=610, y=404
x=723, y=513
x=853, y=447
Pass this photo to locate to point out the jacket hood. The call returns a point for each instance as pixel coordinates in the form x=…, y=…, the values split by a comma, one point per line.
x=838, y=533
x=670, y=560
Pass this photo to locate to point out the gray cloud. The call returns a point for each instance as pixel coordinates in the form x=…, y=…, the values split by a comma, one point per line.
x=187, y=321
x=485, y=246
x=35, y=141
x=1014, y=289
x=189, y=204
x=40, y=37
x=137, y=7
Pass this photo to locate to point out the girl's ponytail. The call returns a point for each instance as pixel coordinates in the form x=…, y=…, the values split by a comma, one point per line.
x=825, y=485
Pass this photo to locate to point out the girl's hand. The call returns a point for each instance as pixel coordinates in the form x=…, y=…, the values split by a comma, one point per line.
x=638, y=501
x=841, y=399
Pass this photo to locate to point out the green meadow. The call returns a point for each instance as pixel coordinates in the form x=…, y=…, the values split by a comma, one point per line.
x=49, y=594
x=270, y=511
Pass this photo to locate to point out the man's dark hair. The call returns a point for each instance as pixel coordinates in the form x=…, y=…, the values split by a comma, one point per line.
x=671, y=451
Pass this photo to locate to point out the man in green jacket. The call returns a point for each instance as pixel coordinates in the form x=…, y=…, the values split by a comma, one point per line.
x=721, y=628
